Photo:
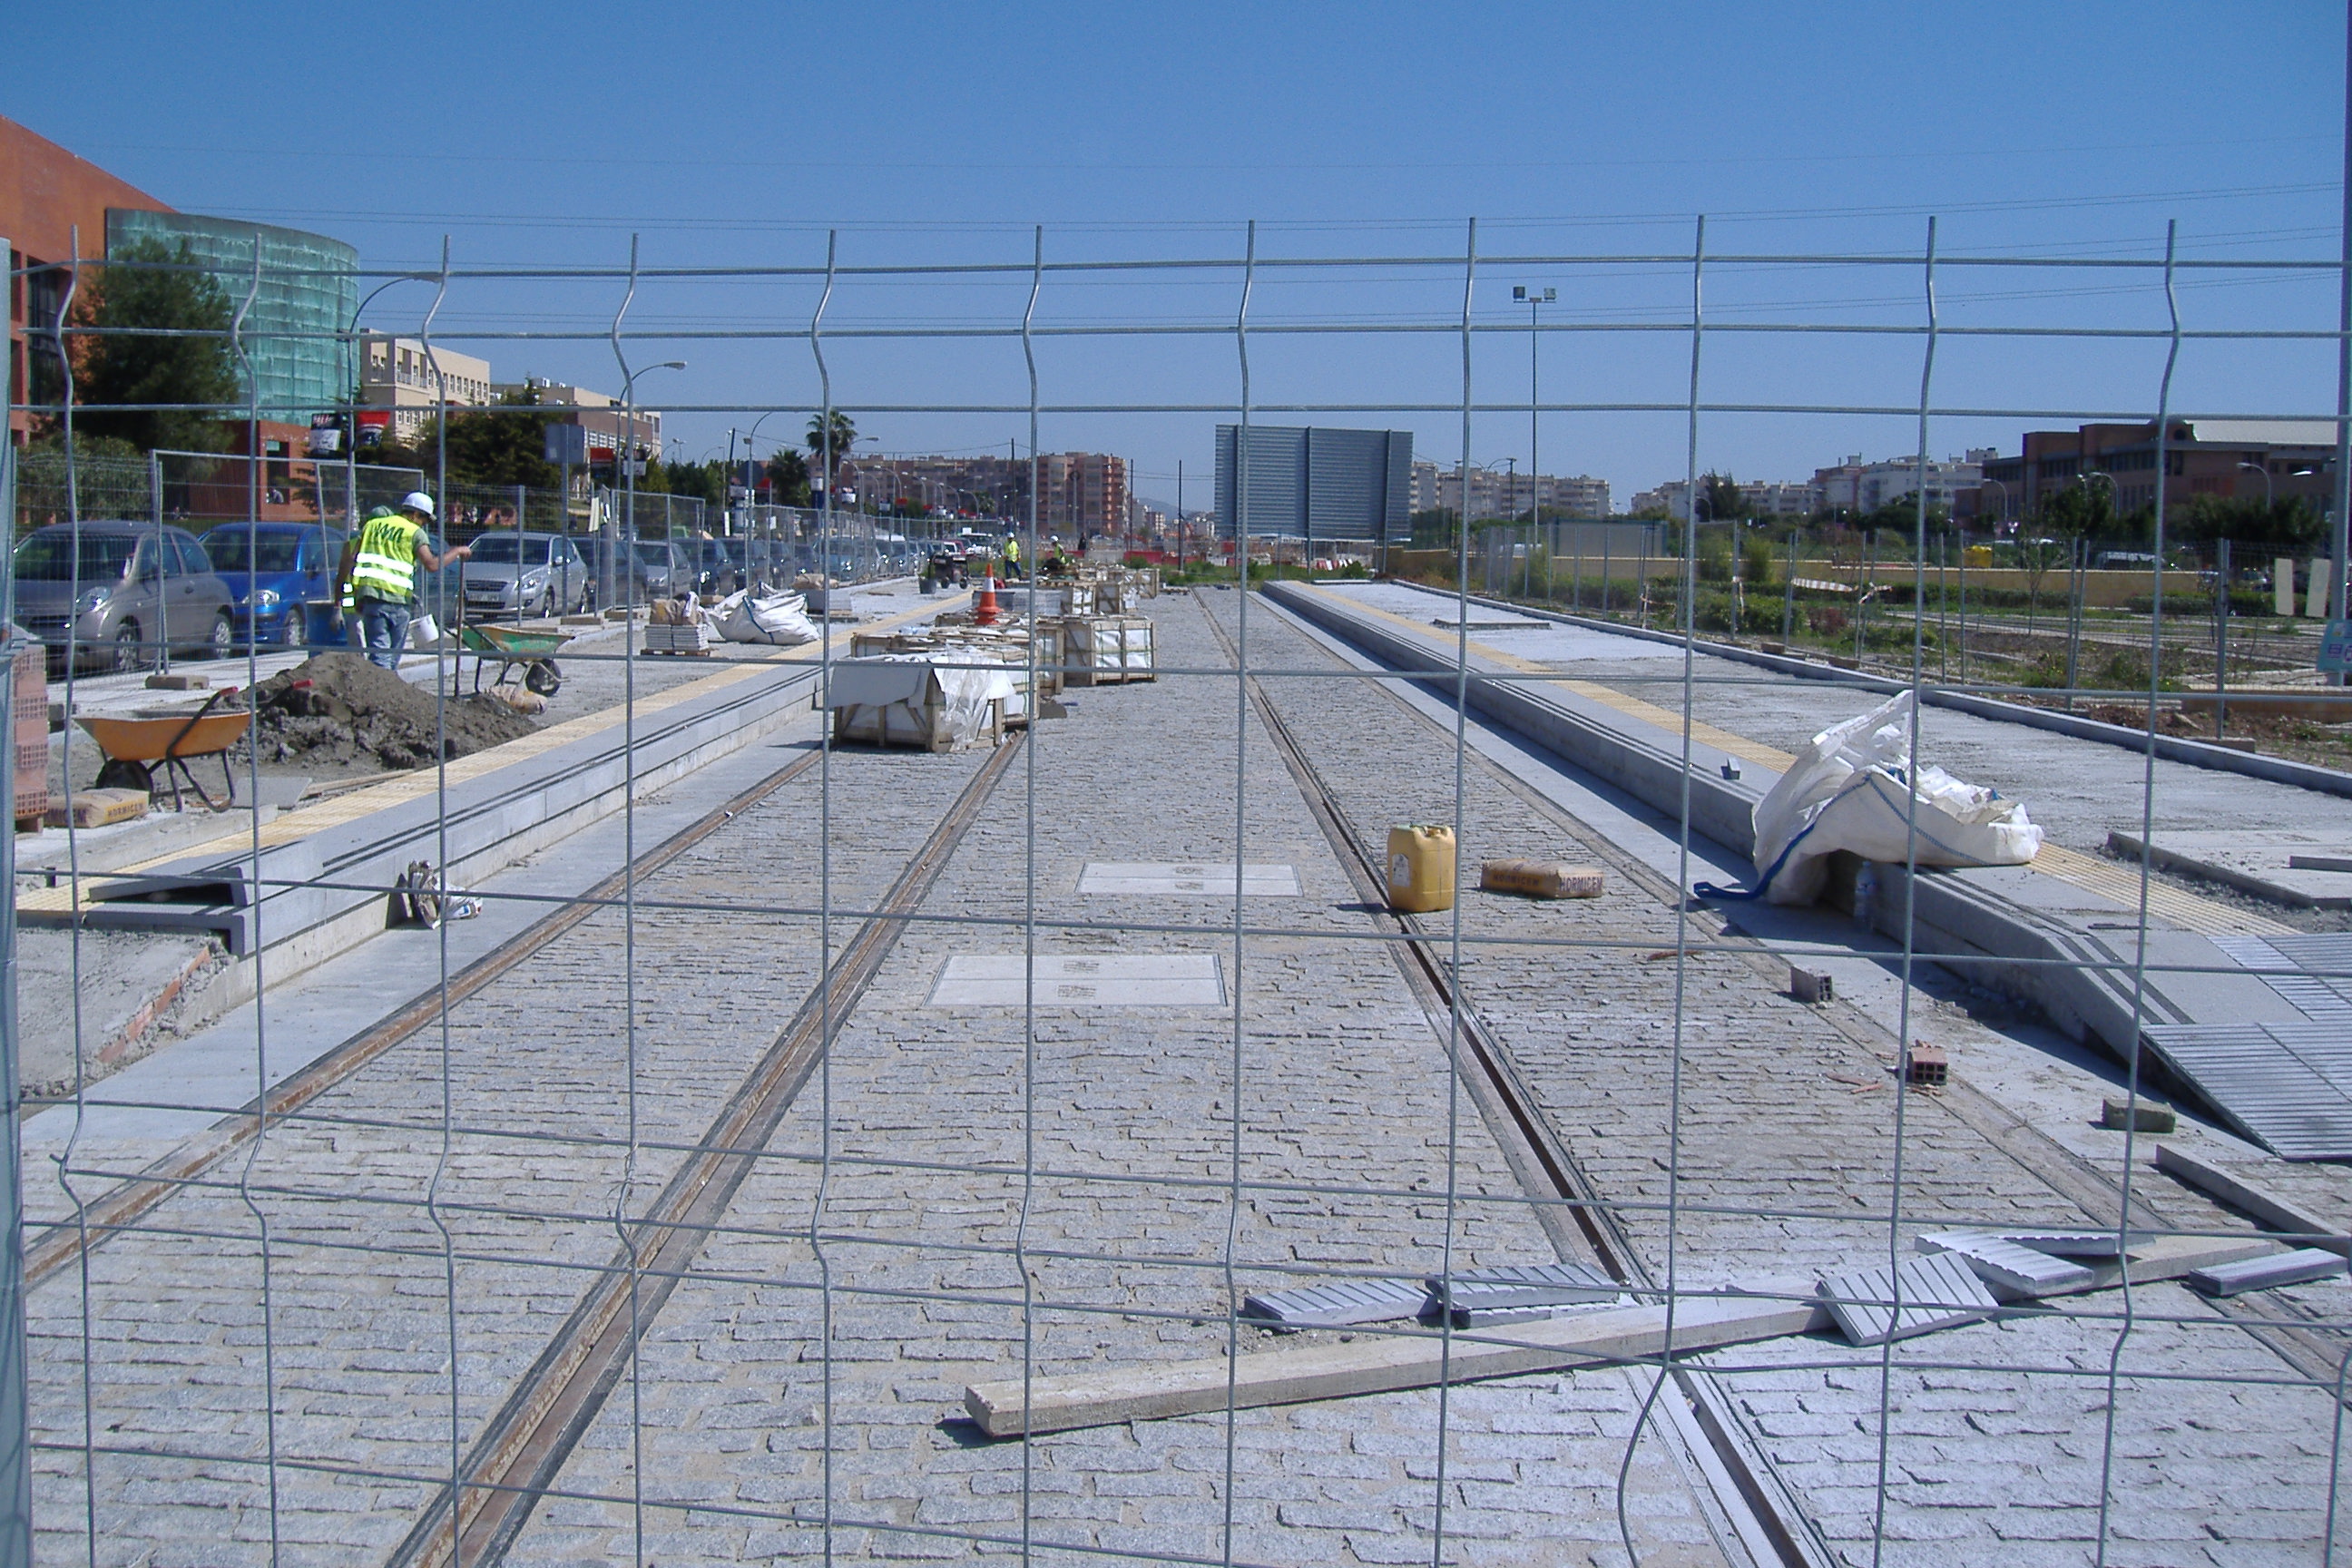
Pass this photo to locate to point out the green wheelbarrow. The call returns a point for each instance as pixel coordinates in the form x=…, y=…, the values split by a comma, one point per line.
x=515, y=648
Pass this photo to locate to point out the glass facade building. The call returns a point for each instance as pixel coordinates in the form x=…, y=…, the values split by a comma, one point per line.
x=300, y=360
x=1311, y=483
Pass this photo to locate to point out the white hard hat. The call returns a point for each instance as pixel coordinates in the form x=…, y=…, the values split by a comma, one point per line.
x=417, y=501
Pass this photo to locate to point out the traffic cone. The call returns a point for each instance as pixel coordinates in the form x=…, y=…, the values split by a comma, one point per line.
x=987, y=613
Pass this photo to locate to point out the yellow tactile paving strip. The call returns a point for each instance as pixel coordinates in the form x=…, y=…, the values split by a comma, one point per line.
x=289, y=826
x=2106, y=880
x=1666, y=719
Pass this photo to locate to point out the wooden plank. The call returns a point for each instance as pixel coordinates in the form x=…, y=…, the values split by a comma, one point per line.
x=1388, y=1362
x=2266, y=1207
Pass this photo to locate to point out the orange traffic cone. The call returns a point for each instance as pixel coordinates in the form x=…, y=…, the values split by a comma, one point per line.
x=987, y=613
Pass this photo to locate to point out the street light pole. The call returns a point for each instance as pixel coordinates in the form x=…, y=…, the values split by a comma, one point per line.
x=2268, y=499
x=609, y=576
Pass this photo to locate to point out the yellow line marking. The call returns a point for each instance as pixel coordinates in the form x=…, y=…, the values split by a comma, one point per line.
x=2105, y=879
x=289, y=826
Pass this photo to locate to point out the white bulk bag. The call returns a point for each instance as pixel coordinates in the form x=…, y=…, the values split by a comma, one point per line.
x=779, y=618
x=1853, y=789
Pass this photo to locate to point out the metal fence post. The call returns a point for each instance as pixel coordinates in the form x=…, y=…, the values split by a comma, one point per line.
x=15, y=1443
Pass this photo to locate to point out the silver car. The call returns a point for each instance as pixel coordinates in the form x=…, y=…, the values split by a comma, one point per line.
x=512, y=574
x=131, y=589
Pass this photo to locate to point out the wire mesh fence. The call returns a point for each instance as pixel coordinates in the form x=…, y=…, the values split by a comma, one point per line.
x=1091, y=1144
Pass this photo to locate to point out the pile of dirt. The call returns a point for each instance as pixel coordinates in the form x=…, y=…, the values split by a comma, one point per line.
x=337, y=708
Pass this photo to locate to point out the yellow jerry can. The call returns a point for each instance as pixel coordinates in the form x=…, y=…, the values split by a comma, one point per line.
x=1421, y=868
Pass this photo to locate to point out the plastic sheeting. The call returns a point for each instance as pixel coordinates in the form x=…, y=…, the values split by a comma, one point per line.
x=1854, y=788
x=918, y=699
x=779, y=618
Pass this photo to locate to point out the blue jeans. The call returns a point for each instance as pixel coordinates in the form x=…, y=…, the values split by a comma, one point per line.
x=383, y=630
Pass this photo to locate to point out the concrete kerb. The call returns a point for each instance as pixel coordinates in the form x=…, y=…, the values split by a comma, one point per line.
x=2172, y=748
x=324, y=892
x=1994, y=919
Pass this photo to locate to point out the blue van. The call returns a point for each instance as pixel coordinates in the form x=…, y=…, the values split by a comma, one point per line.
x=273, y=570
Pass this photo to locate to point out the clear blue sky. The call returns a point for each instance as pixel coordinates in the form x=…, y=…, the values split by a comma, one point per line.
x=736, y=134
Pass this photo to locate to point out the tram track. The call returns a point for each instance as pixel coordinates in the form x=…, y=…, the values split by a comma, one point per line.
x=68, y=1239
x=2098, y=1195
x=1571, y=1208
x=522, y=1449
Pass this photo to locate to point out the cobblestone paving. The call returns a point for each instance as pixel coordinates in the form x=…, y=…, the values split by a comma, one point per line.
x=758, y=1396
x=1343, y=1083
x=1783, y=1138
x=538, y=1079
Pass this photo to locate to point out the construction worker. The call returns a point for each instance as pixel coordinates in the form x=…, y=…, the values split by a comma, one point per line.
x=1013, y=555
x=379, y=574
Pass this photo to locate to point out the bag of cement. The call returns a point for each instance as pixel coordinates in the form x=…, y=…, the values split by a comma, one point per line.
x=1855, y=789
x=778, y=618
x=1540, y=878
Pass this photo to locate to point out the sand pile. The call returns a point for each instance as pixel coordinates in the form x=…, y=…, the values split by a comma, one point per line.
x=338, y=707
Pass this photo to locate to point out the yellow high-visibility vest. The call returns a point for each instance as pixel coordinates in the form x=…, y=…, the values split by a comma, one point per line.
x=386, y=566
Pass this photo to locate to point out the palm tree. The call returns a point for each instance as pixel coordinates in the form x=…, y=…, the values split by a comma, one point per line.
x=842, y=436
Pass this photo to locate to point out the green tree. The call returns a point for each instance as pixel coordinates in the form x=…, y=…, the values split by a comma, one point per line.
x=705, y=480
x=500, y=449
x=788, y=478
x=110, y=478
x=843, y=437
x=2288, y=527
x=1720, y=498
x=143, y=291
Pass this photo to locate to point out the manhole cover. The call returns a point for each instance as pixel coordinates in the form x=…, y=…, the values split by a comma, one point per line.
x=1108, y=979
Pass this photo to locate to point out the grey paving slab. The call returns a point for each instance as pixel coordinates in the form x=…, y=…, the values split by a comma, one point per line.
x=1168, y=878
x=1065, y=980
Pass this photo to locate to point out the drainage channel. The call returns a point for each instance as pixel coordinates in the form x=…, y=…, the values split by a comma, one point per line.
x=1545, y=1164
x=522, y=1450
x=122, y=1209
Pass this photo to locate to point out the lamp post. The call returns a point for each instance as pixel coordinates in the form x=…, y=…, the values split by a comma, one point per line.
x=2269, y=498
x=1535, y=301
x=624, y=448
x=2003, y=515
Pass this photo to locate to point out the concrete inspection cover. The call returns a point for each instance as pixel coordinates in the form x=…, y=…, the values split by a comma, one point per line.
x=1190, y=880
x=1063, y=980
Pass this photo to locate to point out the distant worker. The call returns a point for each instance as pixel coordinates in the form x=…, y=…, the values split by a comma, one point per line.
x=1013, y=555
x=379, y=574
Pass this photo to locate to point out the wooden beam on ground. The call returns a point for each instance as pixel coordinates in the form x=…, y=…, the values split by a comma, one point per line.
x=1386, y=1363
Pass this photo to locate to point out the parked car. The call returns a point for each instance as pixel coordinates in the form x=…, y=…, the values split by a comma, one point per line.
x=274, y=570
x=665, y=568
x=628, y=580
x=524, y=574
x=130, y=588
x=718, y=568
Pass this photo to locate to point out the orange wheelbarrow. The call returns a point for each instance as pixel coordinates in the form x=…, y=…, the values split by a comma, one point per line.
x=135, y=748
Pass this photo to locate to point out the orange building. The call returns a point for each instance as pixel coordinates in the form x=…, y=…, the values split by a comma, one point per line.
x=45, y=193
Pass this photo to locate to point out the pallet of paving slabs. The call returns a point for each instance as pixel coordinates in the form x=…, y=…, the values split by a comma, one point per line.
x=919, y=726
x=672, y=638
x=1107, y=650
x=907, y=706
